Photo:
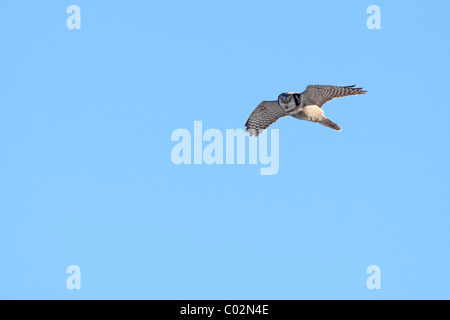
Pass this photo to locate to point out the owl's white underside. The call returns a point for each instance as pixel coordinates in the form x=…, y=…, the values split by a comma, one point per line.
x=310, y=113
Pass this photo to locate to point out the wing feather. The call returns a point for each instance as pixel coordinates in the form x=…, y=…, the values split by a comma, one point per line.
x=320, y=94
x=266, y=113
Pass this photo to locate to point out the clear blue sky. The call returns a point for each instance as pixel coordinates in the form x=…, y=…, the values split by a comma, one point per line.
x=86, y=176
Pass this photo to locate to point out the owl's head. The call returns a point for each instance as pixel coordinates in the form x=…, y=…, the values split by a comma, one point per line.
x=287, y=101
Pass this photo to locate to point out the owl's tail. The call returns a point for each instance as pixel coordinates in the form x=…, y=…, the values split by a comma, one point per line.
x=330, y=124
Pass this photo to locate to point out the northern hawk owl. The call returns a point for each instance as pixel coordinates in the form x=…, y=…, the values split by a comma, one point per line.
x=304, y=106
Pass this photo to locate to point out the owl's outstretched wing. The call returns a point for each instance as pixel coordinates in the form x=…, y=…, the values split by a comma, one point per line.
x=266, y=113
x=319, y=94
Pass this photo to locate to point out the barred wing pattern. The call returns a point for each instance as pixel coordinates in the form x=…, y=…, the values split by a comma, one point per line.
x=266, y=113
x=320, y=94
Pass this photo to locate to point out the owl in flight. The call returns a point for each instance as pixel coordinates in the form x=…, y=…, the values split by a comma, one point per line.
x=304, y=106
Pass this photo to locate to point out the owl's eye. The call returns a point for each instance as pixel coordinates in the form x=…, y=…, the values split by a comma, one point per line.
x=290, y=99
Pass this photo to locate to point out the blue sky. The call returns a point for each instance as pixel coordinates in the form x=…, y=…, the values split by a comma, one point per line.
x=87, y=178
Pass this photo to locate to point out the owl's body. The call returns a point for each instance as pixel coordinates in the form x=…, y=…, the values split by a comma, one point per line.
x=310, y=113
x=304, y=106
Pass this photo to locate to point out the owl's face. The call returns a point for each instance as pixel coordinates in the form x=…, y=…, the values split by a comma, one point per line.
x=287, y=101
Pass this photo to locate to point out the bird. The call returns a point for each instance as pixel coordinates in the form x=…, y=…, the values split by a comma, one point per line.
x=304, y=106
